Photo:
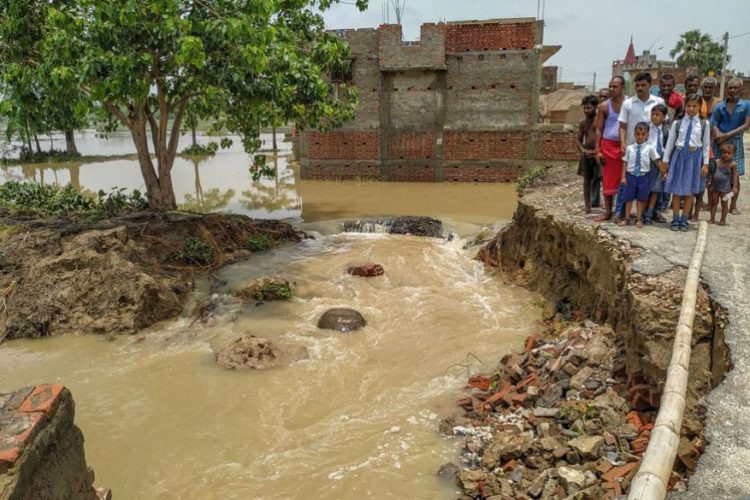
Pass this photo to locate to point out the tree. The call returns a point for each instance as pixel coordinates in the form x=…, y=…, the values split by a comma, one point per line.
x=699, y=50
x=35, y=98
x=144, y=60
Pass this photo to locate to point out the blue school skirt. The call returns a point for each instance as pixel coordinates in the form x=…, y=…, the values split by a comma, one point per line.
x=684, y=176
x=656, y=185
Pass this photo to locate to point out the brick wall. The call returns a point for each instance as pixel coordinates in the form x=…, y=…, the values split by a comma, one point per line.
x=411, y=173
x=489, y=36
x=557, y=146
x=359, y=145
x=485, y=145
x=478, y=172
x=353, y=171
x=411, y=146
x=429, y=52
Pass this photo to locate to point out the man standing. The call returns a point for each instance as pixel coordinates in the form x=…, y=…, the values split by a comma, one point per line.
x=730, y=119
x=634, y=110
x=608, y=143
x=603, y=94
x=691, y=84
x=674, y=100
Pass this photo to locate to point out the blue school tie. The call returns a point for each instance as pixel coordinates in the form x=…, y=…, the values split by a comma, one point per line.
x=659, y=147
x=685, y=151
x=637, y=171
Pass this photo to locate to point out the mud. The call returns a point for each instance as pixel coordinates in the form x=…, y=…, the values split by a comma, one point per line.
x=114, y=276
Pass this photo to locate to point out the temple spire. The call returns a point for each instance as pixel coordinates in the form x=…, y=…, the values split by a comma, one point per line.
x=630, y=57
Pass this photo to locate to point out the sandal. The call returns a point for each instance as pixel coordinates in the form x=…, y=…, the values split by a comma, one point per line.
x=622, y=222
x=603, y=218
x=684, y=224
x=638, y=224
x=675, y=226
x=660, y=218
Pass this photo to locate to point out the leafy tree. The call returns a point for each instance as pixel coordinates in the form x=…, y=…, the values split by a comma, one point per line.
x=698, y=49
x=36, y=99
x=144, y=60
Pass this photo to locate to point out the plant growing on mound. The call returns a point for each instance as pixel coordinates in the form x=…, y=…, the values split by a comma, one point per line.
x=527, y=178
x=30, y=196
x=258, y=242
x=118, y=201
x=196, y=251
x=201, y=150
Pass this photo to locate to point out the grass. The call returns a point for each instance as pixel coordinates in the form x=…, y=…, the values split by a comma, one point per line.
x=528, y=178
x=258, y=243
x=196, y=251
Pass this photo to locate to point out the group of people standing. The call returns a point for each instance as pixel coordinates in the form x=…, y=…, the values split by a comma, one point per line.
x=645, y=149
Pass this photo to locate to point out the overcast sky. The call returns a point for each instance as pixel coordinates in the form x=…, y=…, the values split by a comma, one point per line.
x=592, y=32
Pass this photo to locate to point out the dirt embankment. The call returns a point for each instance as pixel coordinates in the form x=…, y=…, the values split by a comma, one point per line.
x=570, y=416
x=114, y=276
x=578, y=264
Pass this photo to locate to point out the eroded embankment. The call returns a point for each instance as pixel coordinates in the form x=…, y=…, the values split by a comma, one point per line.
x=117, y=275
x=569, y=259
x=584, y=271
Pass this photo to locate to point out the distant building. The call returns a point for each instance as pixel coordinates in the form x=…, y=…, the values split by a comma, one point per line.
x=462, y=104
x=632, y=64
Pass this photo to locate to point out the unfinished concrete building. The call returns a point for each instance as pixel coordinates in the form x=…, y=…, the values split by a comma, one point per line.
x=459, y=105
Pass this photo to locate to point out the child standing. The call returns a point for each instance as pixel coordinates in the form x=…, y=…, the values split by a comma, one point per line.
x=588, y=166
x=657, y=137
x=725, y=176
x=687, y=156
x=636, y=165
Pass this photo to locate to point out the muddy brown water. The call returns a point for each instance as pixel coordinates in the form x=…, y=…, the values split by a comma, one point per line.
x=359, y=417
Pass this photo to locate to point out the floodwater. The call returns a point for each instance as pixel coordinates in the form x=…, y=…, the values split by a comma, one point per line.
x=223, y=183
x=358, y=418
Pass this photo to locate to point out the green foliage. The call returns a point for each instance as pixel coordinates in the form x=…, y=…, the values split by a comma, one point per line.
x=273, y=290
x=29, y=196
x=196, y=251
x=528, y=177
x=35, y=96
x=118, y=201
x=258, y=242
x=52, y=156
x=698, y=49
x=201, y=150
x=239, y=65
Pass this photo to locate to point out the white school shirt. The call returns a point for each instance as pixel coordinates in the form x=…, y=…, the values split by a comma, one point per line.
x=655, y=135
x=698, y=138
x=634, y=110
x=648, y=154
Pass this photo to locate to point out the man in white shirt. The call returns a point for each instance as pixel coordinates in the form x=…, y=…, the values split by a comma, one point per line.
x=636, y=109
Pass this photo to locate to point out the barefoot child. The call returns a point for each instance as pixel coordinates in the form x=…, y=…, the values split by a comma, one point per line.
x=725, y=176
x=635, y=173
x=588, y=165
x=657, y=137
x=687, y=156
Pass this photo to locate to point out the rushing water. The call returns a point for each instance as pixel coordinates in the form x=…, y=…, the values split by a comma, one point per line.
x=358, y=418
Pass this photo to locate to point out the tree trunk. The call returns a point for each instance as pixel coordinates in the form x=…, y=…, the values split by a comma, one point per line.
x=70, y=142
x=192, y=129
x=274, y=145
x=158, y=189
x=38, y=146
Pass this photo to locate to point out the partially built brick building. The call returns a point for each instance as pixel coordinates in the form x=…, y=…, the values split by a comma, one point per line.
x=459, y=105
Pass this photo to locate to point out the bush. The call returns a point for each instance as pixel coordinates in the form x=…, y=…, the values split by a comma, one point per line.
x=26, y=155
x=118, y=201
x=196, y=251
x=30, y=196
x=201, y=150
x=258, y=242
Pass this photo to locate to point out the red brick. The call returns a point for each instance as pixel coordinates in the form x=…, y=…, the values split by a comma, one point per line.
x=489, y=36
x=485, y=145
x=41, y=398
x=343, y=145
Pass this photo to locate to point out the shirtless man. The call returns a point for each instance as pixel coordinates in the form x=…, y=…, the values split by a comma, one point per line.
x=608, y=143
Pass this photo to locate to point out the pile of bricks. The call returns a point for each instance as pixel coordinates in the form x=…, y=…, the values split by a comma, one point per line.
x=557, y=420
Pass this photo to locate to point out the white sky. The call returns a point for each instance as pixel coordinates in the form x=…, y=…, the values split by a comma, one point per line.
x=592, y=33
